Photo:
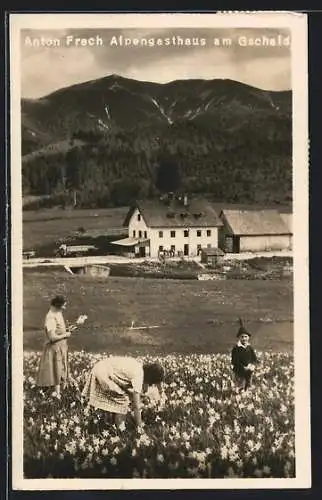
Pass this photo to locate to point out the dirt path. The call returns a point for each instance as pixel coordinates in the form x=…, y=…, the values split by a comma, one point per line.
x=116, y=259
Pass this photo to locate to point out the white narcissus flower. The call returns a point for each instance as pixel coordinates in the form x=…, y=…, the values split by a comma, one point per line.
x=122, y=426
x=258, y=473
x=243, y=430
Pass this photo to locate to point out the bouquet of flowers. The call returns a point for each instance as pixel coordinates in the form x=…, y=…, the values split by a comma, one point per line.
x=80, y=321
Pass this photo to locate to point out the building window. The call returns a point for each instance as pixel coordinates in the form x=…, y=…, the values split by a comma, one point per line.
x=134, y=233
x=198, y=233
x=208, y=232
x=172, y=234
x=198, y=249
x=160, y=234
x=145, y=234
x=160, y=248
x=209, y=245
x=139, y=216
x=140, y=234
x=186, y=233
x=173, y=248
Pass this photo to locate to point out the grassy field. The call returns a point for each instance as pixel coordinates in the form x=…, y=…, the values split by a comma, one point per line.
x=193, y=316
x=44, y=227
x=203, y=428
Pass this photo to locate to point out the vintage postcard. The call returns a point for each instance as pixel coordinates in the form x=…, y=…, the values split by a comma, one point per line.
x=160, y=298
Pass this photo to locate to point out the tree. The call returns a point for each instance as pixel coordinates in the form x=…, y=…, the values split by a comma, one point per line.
x=168, y=175
x=74, y=164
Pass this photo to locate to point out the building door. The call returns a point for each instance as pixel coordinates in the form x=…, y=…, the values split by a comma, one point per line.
x=142, y=252
x=186, y=249
x=236, y=244
x=229, y=244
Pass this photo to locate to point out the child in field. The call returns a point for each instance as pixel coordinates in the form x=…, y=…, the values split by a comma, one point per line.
x=243, y=359
x=114, y=381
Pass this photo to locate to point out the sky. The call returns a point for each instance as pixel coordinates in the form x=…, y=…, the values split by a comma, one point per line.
x=45, y=69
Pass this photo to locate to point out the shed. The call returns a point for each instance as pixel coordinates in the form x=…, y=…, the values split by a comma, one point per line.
x=254, y=231
x=211, y=256
x=288, y=220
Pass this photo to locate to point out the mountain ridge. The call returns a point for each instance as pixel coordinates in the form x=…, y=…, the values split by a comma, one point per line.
x=127, y=128
x=117, y=76
x=165, y=102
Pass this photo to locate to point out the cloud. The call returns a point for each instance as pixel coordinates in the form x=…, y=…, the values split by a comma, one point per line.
x=50, y=69
x=45, y=69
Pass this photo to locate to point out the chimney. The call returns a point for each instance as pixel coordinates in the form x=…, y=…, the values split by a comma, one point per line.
x=185, y=200
x=168, y=199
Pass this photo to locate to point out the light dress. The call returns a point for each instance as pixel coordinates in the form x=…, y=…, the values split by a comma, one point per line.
x=111, y=381
x=53, y=365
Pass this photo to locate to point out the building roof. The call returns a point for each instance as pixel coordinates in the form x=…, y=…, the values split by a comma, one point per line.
x=255, y=222
x=220, y=206
x=285, y=209
x=126, y=242
x=198, y=213
x=130, y=242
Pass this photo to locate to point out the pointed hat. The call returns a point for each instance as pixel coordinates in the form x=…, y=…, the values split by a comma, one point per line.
x=242, y=330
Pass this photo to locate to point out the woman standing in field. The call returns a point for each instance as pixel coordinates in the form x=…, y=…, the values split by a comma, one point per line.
x=53, y=366
x=114, y=381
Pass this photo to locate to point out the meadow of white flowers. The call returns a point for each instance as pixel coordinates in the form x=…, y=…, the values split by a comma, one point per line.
x=203, y=429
